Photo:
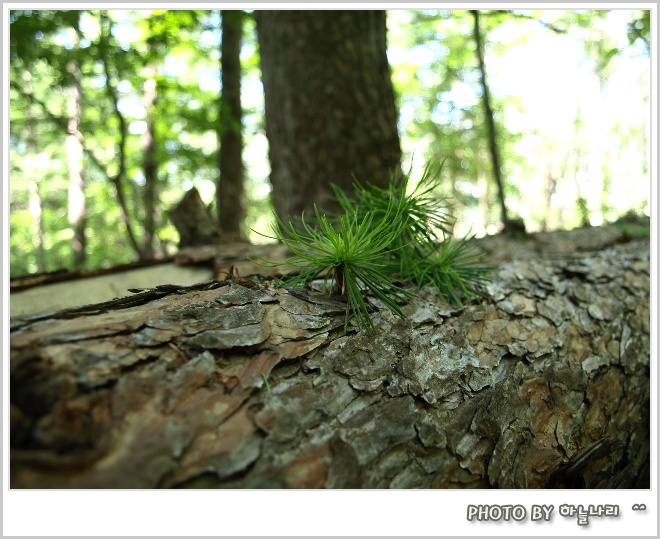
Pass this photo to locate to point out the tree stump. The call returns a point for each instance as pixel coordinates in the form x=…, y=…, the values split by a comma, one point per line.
x=239, y=384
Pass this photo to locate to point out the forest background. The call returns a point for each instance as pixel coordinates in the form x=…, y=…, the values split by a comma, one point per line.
x=115, y=114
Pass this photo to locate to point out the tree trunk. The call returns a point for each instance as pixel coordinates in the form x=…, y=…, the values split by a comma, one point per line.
x=34, y=203
x=330, y=111
x=74, y=159
x=149, y=163
x=119, y=159
x=490, y=120
x=118, y=179
x=484, y=206
x=239, y=384
x=229, y=190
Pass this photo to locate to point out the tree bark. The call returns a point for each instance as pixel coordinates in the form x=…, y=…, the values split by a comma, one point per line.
x=229, y=190
x=330, y=111
x=236, y=383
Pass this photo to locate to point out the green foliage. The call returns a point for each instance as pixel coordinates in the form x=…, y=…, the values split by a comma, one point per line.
x=183, y=47
x=634, y=227
x=639, y=29
x=382, y=232
x=424, y=217
x=441, y=98
x=353, y=255
x=453, y=268
x=435, y=74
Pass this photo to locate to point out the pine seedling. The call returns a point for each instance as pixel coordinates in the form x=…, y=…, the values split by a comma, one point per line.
x=453, y=269
x=424, y=218
x=383, y=232
x=425, y=253
x=350, y=257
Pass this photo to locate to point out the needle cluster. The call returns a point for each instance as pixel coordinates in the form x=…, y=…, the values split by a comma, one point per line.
x=382, y=234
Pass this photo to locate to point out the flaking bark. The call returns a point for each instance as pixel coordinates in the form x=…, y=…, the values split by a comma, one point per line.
x=544, y=383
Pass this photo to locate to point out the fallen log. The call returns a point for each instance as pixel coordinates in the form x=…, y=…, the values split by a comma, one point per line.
x=239, y=384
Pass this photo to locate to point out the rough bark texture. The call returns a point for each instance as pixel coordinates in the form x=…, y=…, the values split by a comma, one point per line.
x=330, y=111
x=545, y=383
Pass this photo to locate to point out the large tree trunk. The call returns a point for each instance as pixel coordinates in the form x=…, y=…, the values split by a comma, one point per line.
x=229, y=190
x=545, y=383
x=330, y=112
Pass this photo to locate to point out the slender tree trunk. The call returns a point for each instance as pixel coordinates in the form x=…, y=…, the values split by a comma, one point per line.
x=149, y=164
x=484, y=207
x=550, y=185
x=579, y=172
x=34, y=203
x=229, y=190
x=117, y=179
x=490, y=119
x=74, y=153
x=330, y=110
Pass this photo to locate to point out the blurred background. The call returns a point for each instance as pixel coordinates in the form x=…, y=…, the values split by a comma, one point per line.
x=115, y=115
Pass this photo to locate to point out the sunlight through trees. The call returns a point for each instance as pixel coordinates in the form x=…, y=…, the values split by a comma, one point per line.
x=115, y=114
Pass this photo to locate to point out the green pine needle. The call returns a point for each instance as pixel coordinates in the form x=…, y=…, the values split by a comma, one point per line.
x=382, y=232
x=350, y=257
x=454, y=269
